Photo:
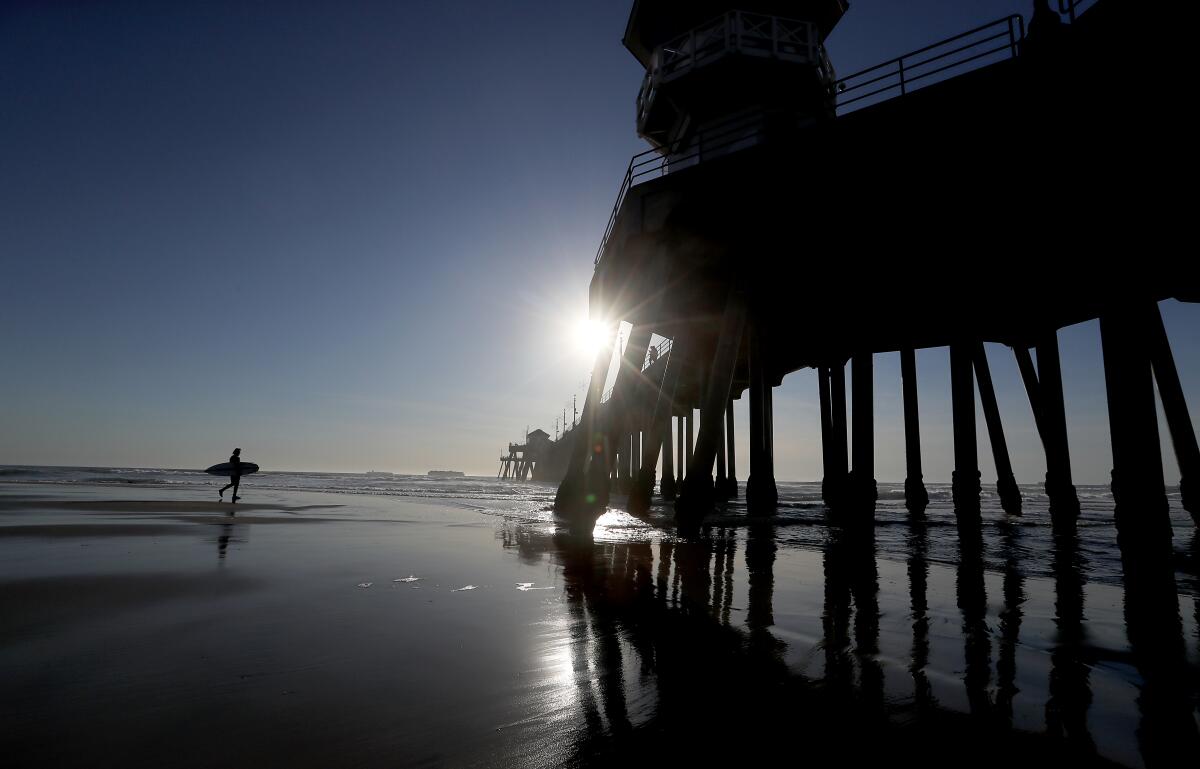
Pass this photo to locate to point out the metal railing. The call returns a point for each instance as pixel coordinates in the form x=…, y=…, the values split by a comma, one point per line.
x=719, y=139
x=664, y=352
x=1001, y=39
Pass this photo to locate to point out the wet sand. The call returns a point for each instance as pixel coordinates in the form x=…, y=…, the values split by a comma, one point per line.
x=170, y=630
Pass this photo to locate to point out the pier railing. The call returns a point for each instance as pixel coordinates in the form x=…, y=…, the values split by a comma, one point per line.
x=975, y=48
x=719, y=139
x=897, y=77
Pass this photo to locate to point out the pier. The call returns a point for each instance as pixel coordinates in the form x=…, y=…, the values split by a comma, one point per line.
x=788, y=217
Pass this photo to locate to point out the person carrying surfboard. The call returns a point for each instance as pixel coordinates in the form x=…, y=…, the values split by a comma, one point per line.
x=235, y=475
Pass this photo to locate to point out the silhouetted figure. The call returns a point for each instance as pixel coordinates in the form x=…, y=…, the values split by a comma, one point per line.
x=652, y=358
x=235, y=476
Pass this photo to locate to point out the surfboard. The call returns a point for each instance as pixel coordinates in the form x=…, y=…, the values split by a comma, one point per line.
x=226, y=469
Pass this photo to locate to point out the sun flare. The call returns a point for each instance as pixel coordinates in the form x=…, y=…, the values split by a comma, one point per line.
x=589, y=337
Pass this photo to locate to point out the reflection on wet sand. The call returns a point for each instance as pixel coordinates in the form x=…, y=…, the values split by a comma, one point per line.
x=1167, y=701
x=663, y=639
x=1069, y=689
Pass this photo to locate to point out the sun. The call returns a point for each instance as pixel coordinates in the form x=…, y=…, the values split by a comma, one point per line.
x=588, y=338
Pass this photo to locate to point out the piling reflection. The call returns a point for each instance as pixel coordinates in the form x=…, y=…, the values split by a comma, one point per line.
x=918, y=593
x=1167, y=730
x=1010, y=625
x=972, y=604
x=664, y=635
x=1069, y=688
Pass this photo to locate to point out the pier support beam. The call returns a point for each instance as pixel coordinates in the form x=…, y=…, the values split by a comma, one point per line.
x=658, y=437
x=689, y=437
x=1060, y=487
x=584, y=489
x=1006, y=482
x=1175, y=409
x=697, y=497
x=1137, y=476
x=863, y=490
x=838, y=471
x=681, y=464
x=721, y=489
x=761, y=492
x=731, y=491
x=966, y=452
x=667, y=488
x=1043, y=385
x=826, y=404
x=916, y=498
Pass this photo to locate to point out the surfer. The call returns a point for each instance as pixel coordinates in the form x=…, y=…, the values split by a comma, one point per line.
x=235, y=475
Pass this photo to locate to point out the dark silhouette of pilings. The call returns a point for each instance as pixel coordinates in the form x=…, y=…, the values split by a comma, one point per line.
x=863, y=490
x=681, y=464
x=826, y=432
x=966, y=453
x=761, y=492
x=1006, y=483
x=688, y=447
x=721, y=487
x=1175, y=409
x=1137, y=476
x=697, y=496
x=916, y=497
x=585, y=487
x=731, y=487
x=667, y=487
x=834, y=441
x=1043, y=385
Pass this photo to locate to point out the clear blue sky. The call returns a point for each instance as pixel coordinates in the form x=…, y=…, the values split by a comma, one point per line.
x=356, y=236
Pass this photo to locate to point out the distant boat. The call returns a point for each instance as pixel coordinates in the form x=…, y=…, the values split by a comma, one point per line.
x=446, y=474
x=378, y=474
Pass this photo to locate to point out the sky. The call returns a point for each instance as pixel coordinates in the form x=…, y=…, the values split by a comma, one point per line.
x=358, y=236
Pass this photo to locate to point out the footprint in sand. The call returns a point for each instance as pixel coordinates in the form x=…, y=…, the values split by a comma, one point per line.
x=464, y=587
x=523, y=586
x=409, y=578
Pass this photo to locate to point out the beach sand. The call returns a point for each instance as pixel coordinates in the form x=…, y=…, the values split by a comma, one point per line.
x=146, y=628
